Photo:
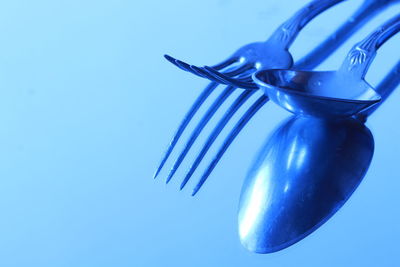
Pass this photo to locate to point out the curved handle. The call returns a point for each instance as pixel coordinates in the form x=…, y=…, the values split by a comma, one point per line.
x=289, y=30
x=367, y=10
x=361, y=55
x=385, y=88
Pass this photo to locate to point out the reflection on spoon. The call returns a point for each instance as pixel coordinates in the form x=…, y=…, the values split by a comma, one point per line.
x=304, y=173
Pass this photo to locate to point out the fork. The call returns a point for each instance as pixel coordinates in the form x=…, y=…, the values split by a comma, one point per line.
x=253, y=54
x=251, y=58
x=257, y=60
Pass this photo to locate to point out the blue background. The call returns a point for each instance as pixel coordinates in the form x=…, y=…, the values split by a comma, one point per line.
x=88, y=104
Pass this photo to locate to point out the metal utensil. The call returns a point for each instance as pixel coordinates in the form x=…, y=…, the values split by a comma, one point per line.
x=277, y=47
x=256, y=56
x=341, y=93
x=310, y=166
x=304, y=174
x=367, y=10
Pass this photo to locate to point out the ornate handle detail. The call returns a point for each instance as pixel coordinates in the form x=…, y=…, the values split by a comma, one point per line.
x=367, y=10
x=361, y=55
x=289, y=30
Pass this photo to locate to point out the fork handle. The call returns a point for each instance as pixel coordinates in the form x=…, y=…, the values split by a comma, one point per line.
x=289, y=30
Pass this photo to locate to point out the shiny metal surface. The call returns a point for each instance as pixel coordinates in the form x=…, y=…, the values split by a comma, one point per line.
x=272, y=53
x=241, y=64
x=262, y=55
x=385, y=89
x=341, y=93
x=311, y=165
x=237, y=70
x=304, y=173
x=309, y=93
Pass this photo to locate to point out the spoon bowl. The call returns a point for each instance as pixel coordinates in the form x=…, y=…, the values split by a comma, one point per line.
x=303, y=175
x=341, y=93
x=316, y=93
x=311, y=165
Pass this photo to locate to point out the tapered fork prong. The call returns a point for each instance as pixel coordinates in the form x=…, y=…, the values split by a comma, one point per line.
x=199, y=101
x=182, y=65
x=207, y=74
x=185, y=66
x=186, y=119
x=238, y=71
x=226, y=63
x=188, y=67
x=237, y=82
x=202, y=72
x=232, y=135
x=173, y=61
x=217, y=130
x=203, y=122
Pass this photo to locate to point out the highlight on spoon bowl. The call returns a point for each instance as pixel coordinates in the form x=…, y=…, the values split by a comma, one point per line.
x=317, y=93
x=305, y=172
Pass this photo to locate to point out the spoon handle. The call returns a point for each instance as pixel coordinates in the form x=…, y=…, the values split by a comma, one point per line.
x=361, y=55
x=385, y=89
x=288, y=31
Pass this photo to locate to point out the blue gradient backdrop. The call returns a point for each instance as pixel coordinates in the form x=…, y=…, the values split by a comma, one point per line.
x=88, y=104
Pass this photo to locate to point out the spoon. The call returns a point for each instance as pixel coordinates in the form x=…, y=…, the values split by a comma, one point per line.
x=328, y=94
x=304, y=174
x=306, y=171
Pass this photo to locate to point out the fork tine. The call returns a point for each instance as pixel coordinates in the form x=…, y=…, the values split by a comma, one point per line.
x=226, y=63
x=239, y=70
x=235, y=72
x=231, y=81
x=186, y=119
x=205, y=74
x=204, y=120
x=217, y=130
x=220, y=78
x=208, y=75
x=232, y=135
x=219, y=66
x=197, y=71
x=247, y=79
x=172, y=60
x=182, y=65
x=188, y=67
